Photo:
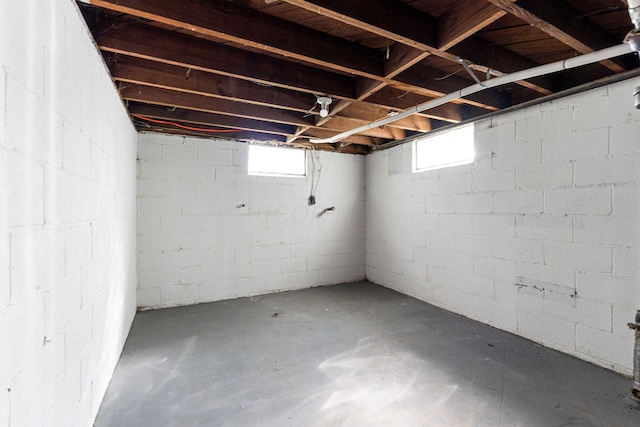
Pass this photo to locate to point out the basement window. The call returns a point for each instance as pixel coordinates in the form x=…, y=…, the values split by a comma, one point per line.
x=277, y=161
x=443, y=150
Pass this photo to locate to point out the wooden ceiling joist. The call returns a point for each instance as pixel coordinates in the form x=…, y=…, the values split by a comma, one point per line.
x=561, y=21
x=256, y=67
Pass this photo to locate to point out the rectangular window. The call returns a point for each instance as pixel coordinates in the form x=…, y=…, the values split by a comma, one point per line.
x=442, y=150
x=277, y=161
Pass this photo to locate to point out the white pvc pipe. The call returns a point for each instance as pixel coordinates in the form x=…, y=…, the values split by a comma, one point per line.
x=541, y=70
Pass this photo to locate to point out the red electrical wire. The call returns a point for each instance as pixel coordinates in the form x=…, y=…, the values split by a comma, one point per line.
x=164, y=122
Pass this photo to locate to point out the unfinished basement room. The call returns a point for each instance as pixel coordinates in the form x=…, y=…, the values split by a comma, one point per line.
x=310, y=213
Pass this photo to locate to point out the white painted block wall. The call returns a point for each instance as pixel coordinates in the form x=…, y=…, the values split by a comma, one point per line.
x=197, y=243
x=540, y=236
x=67, y=218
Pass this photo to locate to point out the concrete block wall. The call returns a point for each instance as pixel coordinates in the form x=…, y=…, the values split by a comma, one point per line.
x=539, y=236
x=67, y=218
x=208, y=231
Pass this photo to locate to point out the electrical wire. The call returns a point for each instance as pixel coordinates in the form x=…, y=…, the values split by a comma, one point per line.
x=314, y=181
x=165, y=122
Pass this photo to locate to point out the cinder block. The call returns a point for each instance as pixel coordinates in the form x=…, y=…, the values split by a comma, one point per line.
x=494, y=225
x=488, y=134
x=622, y=316
x=548, y=175
x=440, y=240
x=599, y=112
x=547, y=276
x=180, y=258
x=158, y=278
x=213, y=156
x=159, y=170
x=441, y=276
x=624, y=138
x=149, y=188
x=413, y=205
x=611, y=350
x=518, y=202
x=421, y=185
x=607, y=230
x=158, y=206
x=196, y=172
x=420, y=223
x=462, y=263
x=149, y=150
x=555, y=119
x=159, y=241
x=512, y=155
x=179, y=223
x=608, y=170
x=547, y=227
x=414, y=270
x=607, y=288
x=547, y=330
x=494, y=180
x=626, y=261
x=175, y=188
x=199, y=206
x=234, y=270
x=576, y=145
x=148, y=261
x=478, y=203
x=593, y=314
x=626, y=200
x=495, y=268
x=513, y=248
x=474, y=244
x=21, y=189
x=231, y=174
x=455, y=223
x=481, y=287
x=198, y=274
x=578, y=201
x=440, y=204
x=265, y=268
x=455, y=183
x=586, y=257
x=222, y=255
x=198, y=239
x=179, y=153
x=513, y=295
x=294, y=265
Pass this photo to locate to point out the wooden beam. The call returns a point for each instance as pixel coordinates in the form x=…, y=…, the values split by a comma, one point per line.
x=150, y=73
x=560, y=20
x=390, y=19
x=421, y=75
x=187, y=101
x=480, y=51
x=353, y=139
x=360, y=13
x=147, y=42
x=464, y=19
x=401, y=100
x=229, y=22
x=190, y=101
x=210, y=119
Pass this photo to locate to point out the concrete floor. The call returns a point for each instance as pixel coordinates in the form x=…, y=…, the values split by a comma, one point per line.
x=348, y=355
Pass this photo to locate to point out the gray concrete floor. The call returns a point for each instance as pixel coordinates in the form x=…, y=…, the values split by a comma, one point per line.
x=348, y=355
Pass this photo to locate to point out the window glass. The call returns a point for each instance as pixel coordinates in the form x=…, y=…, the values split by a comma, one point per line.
x=451, y=148
x=276, y=161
